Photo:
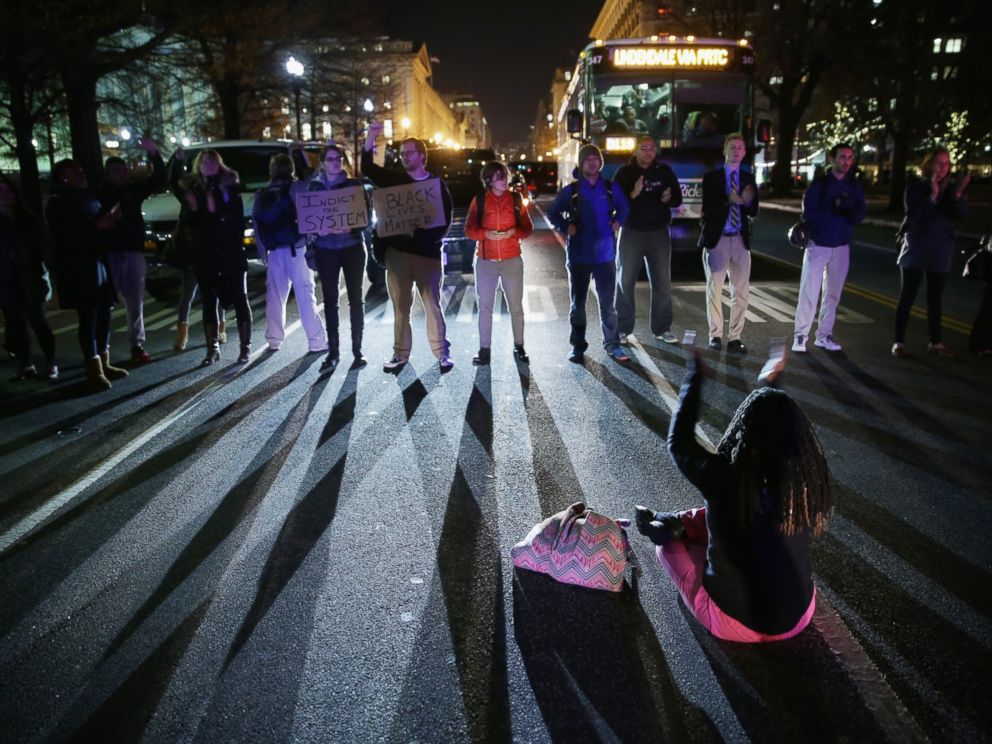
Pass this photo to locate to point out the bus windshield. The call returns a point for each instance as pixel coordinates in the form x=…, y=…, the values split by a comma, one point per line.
x=679, y=109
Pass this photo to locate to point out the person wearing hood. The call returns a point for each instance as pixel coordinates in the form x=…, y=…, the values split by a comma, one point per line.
x=280, y=243
x=645, y=240
x=589, y=211
x=124, y=243
x=341, y=251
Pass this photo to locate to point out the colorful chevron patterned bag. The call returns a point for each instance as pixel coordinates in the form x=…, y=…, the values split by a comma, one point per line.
x=577, y=546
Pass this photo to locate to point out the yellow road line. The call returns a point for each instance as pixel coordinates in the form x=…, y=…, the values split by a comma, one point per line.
x=953, y=324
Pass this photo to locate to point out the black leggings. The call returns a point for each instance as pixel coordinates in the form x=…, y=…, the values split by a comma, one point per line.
x=911, y=280
x=231, y=290
x=94, y=330
x=330, y=265
x=18, y=318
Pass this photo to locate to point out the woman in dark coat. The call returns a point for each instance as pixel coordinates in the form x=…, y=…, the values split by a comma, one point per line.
x=928, y=245
x=23, y=288
x=82, y=276
x=214, y=214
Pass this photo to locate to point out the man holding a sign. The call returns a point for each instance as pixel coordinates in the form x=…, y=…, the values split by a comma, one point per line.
x=413, y=211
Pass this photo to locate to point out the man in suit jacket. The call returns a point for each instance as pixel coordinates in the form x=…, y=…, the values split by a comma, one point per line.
x=730, y=202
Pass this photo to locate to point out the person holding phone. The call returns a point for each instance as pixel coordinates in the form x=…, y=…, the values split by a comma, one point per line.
x=927, y=232
x=82, y=275
x=741, y=562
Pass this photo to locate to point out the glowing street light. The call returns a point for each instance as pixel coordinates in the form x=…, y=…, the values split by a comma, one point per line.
x=295, y=68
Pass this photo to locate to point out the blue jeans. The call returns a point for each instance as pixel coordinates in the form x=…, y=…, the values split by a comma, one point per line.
x=605, y=276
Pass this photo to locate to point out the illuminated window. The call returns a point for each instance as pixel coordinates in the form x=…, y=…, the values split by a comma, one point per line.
x=775, y=80
x=953, y=46
x=935, y=73
x=950, y=73
x=936, y=45
x=385, y=79
x=365, y=81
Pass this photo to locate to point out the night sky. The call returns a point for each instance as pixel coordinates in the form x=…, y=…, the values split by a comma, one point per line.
x=503, y=51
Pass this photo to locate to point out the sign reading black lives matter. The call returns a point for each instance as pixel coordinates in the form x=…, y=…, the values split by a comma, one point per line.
x=402, y=209
x=322, y=211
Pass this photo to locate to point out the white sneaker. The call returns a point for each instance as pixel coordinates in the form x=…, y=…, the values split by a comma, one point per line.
x=53, y=372
x=827, y=343
x=445, y=363
x=799, y=344
x=393, y=364
x=624, y=339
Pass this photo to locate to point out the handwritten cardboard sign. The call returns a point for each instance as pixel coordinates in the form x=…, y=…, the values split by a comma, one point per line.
x=402, y=209
x=320, y=212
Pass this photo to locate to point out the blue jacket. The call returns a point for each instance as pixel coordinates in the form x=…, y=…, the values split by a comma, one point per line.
x=594, y=242
x=832, y=207
x=927, y=232
x=274, y=216
x=345, y=240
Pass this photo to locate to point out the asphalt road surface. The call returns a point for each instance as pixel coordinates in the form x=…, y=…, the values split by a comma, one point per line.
x=262, y=554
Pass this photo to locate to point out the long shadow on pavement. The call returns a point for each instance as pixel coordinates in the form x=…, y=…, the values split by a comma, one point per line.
x=596, y=668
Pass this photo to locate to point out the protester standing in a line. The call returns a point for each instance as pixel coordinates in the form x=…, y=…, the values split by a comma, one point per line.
x=280, y=244
x=928, y=245
x=216, y=221
x=23, y=288
x=832, y=205
x=82, y=274
x=730, y=202
x=589, y=211
x=341, y=252
x=124, y=243
x=497, y=220
x=411, y=260
x=645, y=240
x=742, y=561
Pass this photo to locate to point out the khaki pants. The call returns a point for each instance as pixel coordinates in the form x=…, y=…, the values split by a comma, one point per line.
x=403, y=271
x=510, y=273
x=729, y=256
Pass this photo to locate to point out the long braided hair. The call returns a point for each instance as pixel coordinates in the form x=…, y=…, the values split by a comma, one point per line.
x=779, y=463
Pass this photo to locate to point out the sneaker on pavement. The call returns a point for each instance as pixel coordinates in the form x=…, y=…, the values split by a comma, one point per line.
x=939, y=349
x=445, y=363
x=52, y=371
x=329, y=364
x=716, y=344
x=139, y=355
x=799, y=343
x=828, y=343
x=668, y=337
x=576, y=355
x=736, y=347
x=619, y=355
x=394, y=364
x=899, y=349
x=625, y=338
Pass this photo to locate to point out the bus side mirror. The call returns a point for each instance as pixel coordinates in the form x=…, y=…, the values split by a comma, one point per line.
x=573, y=121
x=763, y=133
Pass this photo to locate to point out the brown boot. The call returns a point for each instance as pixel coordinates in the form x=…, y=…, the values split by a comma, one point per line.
x=96, y=381
x=182, y=336
x=109, y=371
x=213, y=350
x=221, y=333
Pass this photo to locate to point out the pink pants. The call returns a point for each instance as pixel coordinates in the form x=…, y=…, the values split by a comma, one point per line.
x=685, y=561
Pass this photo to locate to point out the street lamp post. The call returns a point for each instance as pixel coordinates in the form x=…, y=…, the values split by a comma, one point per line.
x=295, y=68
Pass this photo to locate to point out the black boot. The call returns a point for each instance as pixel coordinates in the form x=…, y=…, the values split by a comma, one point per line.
x=520, y=354
x=244, y=336
x=213, y=349
x=483, y=357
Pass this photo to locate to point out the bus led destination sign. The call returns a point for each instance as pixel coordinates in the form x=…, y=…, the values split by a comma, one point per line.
x=671, y=57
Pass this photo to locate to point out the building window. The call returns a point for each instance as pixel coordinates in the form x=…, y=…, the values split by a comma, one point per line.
x=936, y=45
x=935, y=73
x=385, y=79
x=775, y=80
x=953, y=46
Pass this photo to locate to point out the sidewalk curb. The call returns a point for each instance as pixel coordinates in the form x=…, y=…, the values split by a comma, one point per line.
x=873, y=221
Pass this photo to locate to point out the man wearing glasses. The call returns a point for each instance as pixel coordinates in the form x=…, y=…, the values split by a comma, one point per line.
x=411, y=260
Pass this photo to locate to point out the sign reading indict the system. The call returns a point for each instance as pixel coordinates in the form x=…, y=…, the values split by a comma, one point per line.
x=320, y=212
x=402, y=209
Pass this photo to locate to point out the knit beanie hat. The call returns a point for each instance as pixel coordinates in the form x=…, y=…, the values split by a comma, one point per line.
x=587, y=151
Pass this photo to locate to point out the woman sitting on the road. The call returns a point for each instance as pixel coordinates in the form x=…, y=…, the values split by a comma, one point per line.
x=504, y=223
x=741, y=562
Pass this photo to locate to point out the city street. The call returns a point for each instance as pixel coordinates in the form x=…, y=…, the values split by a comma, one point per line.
x=259, y=553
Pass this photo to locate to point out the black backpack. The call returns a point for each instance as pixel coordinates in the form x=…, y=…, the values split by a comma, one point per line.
x=573, y=215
